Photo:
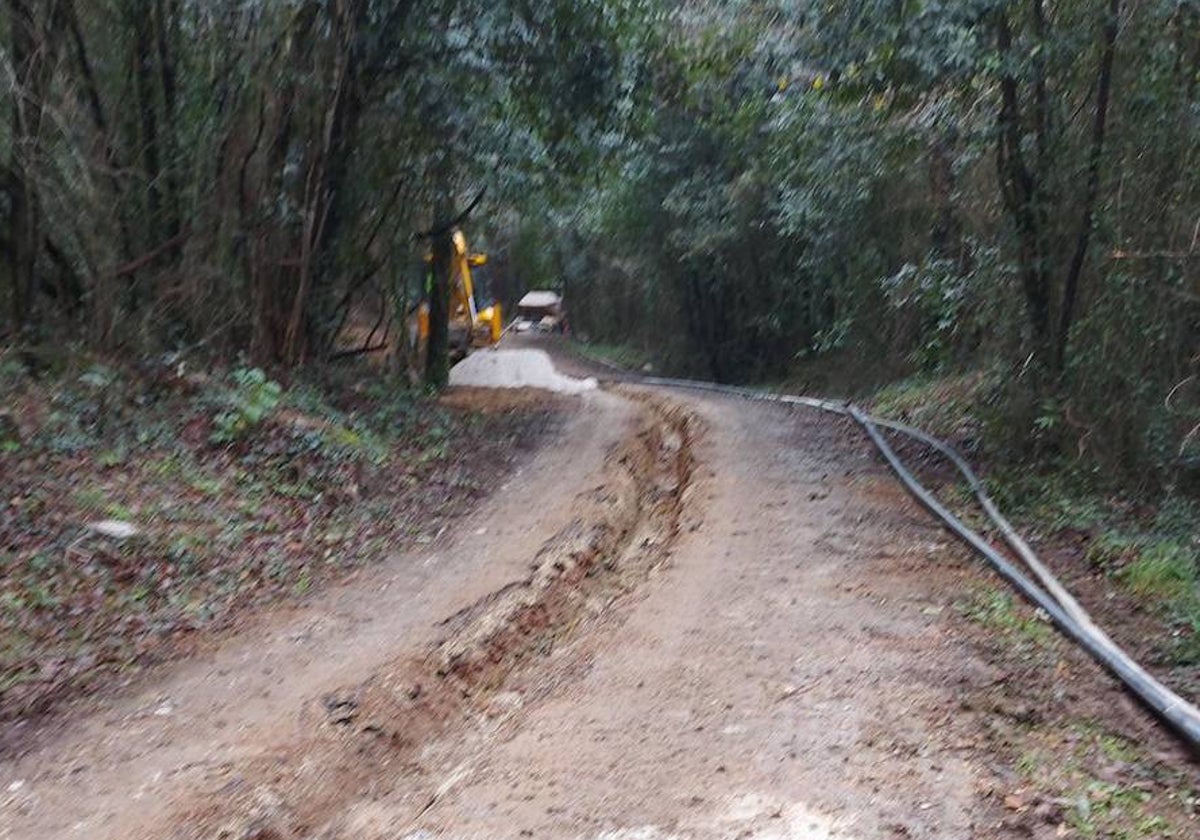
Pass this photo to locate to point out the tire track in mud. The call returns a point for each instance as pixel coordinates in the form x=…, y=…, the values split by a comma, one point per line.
x=367, y=740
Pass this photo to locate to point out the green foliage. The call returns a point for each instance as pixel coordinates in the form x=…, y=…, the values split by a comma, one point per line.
x=1101, y=804
x=1161, y=565
x=252, y=400
x=620, y=355
x=245, y=177
x=821, y=181
x=1104, y=784
x=947, y=307
x=997, y=610
x=950, y=406
x=98, y=377
x=1054, y=498
x=734, y=190
x=1163, y=569
x=91, y=498
x=346, y=470
x=1164, y=572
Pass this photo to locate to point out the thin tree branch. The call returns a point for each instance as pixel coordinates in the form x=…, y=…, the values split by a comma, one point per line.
x=447, y=227
x=133, y=266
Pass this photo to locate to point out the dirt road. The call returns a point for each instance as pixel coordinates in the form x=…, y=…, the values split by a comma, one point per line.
x=687, y=618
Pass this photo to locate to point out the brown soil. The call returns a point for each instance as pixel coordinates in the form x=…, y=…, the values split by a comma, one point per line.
x=224, y=532
x=618, y=533
x=502, y=400
x=692, y=618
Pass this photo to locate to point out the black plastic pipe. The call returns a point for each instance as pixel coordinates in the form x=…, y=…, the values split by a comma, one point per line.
x=1064, y=611
x=1169, y=706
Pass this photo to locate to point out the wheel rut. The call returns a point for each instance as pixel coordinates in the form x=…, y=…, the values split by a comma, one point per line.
x=366, y=739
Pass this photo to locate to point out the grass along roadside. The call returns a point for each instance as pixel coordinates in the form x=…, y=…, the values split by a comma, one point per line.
x=1070, y=753
x=243, y=491
x=623, y=356
x=1067, y=754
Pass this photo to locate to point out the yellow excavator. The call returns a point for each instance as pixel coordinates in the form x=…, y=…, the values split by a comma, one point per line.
x=470, y=326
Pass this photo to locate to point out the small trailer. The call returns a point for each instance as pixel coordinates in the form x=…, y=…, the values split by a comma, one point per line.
x=541, y=311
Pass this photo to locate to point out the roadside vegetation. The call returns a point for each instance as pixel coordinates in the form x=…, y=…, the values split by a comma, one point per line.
x=1075, y=759
x=988, y=210
x=143, y=505
x=982, y=217
x=216, y=222
x=996, y=203
x=1135, y=548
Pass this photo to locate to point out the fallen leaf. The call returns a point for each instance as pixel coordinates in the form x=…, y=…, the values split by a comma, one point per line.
x=1014, y=802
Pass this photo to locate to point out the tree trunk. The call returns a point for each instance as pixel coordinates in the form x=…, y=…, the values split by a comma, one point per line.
x=1092, y=190
x=437, y=359
x=1021, y=193
x=29, y=60
x=100, y=123
x=946, y=238
x=147, y=125
x=166, y=37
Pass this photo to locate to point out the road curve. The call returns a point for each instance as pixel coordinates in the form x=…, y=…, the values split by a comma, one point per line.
x=776, y=668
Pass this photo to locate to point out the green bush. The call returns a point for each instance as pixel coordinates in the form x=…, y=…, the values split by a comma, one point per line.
x=253, y=399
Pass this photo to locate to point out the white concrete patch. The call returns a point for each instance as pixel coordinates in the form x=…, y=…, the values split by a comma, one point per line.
x=516, y=369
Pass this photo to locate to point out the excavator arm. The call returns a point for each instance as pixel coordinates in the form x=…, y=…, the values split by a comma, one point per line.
x=474, y=327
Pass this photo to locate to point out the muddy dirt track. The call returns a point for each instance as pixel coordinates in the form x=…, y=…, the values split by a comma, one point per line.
x=686, y=617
